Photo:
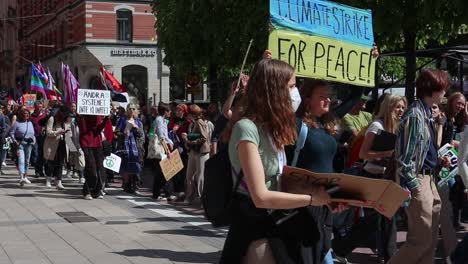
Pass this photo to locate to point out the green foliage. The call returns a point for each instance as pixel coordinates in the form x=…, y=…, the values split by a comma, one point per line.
x=195, y=34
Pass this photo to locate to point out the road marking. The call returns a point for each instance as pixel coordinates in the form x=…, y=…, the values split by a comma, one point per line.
x=172, y=212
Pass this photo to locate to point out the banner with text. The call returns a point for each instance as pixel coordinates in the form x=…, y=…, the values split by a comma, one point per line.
x=94, y=102
x=324, y=18
x=324, y=58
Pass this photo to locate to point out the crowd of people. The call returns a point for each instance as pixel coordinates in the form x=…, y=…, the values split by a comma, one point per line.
x=259, y=125
x=270, y=115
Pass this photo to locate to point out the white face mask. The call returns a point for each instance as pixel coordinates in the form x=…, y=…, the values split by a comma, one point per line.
x=295, y=98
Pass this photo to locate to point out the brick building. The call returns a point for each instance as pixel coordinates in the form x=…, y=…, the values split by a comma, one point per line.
x=84, y=34
x=8, y=43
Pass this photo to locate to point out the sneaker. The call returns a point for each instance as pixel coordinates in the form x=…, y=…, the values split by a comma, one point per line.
x=4, y=164
x=100, y=196
x=88, y=197
x=26, y=180
x=75, y=175
x=21, y=182
x=48, y=185
x=172, y=198
x=60, y=186
x=82, y=180
x=161, y=198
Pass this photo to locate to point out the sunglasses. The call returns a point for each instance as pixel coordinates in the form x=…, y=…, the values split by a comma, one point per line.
x=133, y=109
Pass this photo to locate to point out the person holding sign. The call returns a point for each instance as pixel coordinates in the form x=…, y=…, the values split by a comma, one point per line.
x=451, y=135
x=416, y=154
x=22, y=134
x=55, y=149
x=91, y=128
x=256, y=151
x=160, y=130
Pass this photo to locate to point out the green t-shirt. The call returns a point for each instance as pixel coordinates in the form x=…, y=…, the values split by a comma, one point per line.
x=358, y=122
x=246, y=130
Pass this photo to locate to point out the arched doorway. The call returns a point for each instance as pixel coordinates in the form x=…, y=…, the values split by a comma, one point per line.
x=135, y=79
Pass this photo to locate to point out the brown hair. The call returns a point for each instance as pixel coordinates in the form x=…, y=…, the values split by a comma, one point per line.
x=307, y=90
x=267, y=101
x=460, y=118
x=431, y=81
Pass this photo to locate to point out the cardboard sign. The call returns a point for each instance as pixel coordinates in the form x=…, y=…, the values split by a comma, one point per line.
x=446, y=174
x=29, y=100
x=112, y=162
x=170, y=167
x=383, y=195
x=324, y=18
x=94, y=102
x=324, y=58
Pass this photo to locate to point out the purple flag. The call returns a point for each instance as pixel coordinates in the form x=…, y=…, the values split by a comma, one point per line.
x=70, y=84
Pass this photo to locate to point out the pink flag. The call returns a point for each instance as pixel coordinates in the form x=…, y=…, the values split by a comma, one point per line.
x=70, y=84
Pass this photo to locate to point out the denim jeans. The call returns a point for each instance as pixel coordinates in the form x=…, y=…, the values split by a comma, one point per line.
x=24, y=154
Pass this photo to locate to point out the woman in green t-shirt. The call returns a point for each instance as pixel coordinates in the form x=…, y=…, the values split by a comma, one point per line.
x=256, y=148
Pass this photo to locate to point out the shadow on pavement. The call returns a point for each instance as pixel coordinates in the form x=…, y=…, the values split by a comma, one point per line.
x=176, y=256
x=187, y=231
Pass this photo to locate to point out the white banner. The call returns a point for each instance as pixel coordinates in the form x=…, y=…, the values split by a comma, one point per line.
x=94, y=102
x=112, y=162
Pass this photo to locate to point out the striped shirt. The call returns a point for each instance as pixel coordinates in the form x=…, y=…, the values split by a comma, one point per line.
x=414, y=140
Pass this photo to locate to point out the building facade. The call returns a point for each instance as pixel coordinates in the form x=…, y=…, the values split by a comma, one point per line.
x=118, y=35
x=8, y=43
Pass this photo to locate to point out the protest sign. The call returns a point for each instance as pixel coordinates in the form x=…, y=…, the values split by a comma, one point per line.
x=324, y=58
x=29, y=100
x=446, y=174
x=112, y=162
x=170, y=167
x=94, y=102
x=324, y=18
x=383, y=195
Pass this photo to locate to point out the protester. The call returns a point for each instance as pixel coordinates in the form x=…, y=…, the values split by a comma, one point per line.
x=317, y=155
x=37, y=115
x=198, y=145
x=451, y=135
x=91, y=143
x=22, y=134
x=416, y=154
x=256, y=148
x=55, y=150
x=4, y=143
x=357, y=119
x=133, y=135
x=378, y=164
x=160, y=129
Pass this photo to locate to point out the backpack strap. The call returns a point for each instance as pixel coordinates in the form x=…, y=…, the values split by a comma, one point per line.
x=300, y=143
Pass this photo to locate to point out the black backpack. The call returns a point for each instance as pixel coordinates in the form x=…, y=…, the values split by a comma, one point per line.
x=218, y=189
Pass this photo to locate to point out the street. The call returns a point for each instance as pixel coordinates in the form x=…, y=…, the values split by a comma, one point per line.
x=40, y=225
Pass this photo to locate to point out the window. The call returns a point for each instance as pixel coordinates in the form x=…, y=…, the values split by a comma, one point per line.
x=124, y=25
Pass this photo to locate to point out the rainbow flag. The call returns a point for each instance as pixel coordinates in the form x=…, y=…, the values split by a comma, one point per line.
x=37, y=79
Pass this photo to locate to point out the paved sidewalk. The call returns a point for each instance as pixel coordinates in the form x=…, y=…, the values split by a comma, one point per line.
x=33, y=232
x=121, y=228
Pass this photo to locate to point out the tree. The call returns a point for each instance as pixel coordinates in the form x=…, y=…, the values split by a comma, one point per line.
x=211, y=36
x=413, y=24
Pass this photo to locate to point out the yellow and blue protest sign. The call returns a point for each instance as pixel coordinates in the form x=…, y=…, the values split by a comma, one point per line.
x=324, y=58
x=324, y=18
